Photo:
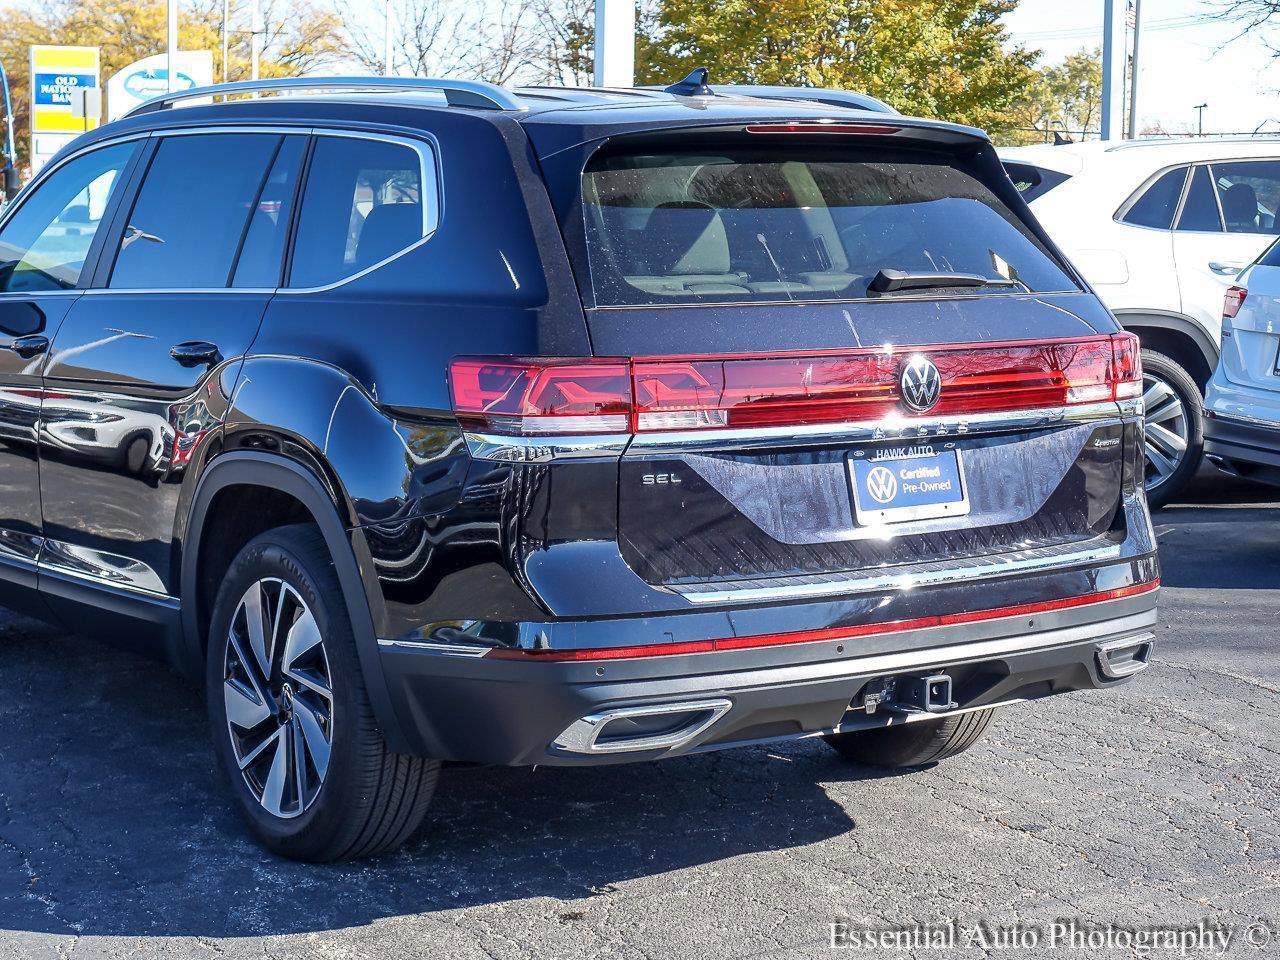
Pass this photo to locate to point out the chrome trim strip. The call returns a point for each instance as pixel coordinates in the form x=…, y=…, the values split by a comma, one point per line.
x=891, y=428
x=483, y=446
x=1242, y=419
x=434, y=646
x=933, y=574
x=583, y=734
x=101, y=567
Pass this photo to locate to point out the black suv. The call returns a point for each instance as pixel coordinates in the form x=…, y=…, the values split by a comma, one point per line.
x=428, y=421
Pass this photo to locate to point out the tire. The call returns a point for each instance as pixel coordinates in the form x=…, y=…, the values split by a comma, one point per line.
x=1175, y=414
x=915, y=744
x=350, y=796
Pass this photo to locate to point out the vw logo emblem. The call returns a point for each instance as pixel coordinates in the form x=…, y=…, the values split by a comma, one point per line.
x=882, y=484
x=921, y=384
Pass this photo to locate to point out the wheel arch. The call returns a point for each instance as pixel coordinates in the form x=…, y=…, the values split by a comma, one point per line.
x=1177, y=336
x=274, y=476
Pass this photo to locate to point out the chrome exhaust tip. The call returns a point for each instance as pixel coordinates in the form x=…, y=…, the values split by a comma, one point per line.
x=660, y=726
x=1125, y=656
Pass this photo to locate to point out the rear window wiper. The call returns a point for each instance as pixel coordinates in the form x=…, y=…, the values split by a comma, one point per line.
x=887, y=280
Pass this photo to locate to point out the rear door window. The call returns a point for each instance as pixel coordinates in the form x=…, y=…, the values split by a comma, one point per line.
x=1200, y=209
x=787, y=222
x=363, y=203
x=1249, y=192
x=1158, y=204
x=192, y=210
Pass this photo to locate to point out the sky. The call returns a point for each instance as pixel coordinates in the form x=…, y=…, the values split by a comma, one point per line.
x=1185, y=59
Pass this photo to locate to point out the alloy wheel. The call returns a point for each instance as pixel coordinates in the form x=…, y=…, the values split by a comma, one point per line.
x=1167, y=429
x=278, y=692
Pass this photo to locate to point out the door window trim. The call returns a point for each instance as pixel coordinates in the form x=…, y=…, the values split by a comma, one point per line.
x=1122, y=211
x=428, y=150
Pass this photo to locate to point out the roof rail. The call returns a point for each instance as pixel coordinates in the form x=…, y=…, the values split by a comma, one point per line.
x=457, y=93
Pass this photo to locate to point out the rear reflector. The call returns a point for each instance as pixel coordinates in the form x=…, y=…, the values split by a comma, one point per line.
x=542, y=397
x=1233, y=302
x=827, y=635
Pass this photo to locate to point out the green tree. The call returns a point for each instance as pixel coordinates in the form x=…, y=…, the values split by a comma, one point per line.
x=299, y=36
x=935, y=58
x=1073, y=92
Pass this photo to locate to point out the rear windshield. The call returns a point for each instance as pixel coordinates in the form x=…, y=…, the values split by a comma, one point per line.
x=795, y=222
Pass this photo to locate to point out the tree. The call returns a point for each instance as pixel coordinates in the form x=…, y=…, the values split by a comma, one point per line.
x=299, y=37
x=934, y=58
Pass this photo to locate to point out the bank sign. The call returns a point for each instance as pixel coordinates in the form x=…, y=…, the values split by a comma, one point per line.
x=58, y=75
x=139, y=82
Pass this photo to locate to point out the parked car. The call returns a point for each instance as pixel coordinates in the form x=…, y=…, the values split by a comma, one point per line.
x=1242, y=406
x=565, y=428
x=1160, y=228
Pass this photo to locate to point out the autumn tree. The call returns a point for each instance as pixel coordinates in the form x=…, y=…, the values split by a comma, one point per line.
x=299, y=36
x=932, y=58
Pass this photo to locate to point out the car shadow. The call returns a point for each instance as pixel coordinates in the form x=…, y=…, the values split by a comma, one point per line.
x=114, y=820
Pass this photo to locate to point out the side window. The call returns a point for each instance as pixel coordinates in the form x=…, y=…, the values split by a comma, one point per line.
x=363, y=203
x=1156, y=207
x=44, y=244
x=192, y=211
x=1032, y=181
x=1249, y=191
x=263, y=248
x=1200, y=211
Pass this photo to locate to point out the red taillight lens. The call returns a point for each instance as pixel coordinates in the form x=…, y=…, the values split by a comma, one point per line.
x=1233, y=302
x=535, y=397
x=542, y=396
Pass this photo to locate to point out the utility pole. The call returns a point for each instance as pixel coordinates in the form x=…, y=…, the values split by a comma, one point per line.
x=1113, y=57
x=1200, y=108
x=1133, y=70
x=615, y=53
x=388, y=55
x=171, y=48
x=256, y=38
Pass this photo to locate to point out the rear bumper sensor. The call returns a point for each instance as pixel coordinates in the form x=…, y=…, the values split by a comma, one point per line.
x=1126, y=656
x=663, y=726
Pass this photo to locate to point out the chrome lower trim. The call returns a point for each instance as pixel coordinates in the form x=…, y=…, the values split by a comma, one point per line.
x=1243, y=420
x=918, y=575
x=100, y=567
x=434, y=646
x=583, y=734
x=483, y=446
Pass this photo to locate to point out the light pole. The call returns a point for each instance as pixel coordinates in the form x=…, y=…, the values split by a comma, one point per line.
x=1133, y=70
x=226, y=38
x=256, y=38
x=171, y=48
x=615, y=53
x=1200, y=109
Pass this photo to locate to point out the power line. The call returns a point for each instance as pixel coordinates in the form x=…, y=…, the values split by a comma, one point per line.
x=1071, y=33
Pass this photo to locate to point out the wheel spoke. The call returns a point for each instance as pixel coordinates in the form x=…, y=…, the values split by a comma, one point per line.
x=1168, y=442
x=249, y=663
x=273, y=789
x=246, y=708
x=1156, y=394
x=301, y=638
x=1163, y=465
x=313, y=737
x=255, y=623
x=257, y=751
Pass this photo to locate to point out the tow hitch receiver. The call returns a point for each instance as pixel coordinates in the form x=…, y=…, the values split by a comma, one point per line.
x=931, y=694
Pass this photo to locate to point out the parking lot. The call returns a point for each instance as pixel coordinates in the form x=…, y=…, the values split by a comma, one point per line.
x=1152, y=806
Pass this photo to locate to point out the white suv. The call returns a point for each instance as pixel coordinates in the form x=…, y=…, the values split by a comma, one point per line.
x=1160, y=228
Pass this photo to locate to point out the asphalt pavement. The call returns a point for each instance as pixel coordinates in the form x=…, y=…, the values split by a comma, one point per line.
x=1152, y=807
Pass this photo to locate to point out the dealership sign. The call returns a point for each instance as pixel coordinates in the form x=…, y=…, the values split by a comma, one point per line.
x=149, y=77
x=65, y=98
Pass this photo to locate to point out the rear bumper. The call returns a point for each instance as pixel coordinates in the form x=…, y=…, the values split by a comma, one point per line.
x=1243, y=445
x=460, y=706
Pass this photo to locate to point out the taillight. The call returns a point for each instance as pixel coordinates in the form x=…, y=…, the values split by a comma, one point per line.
x=866, y=129
x=538, y=397
x=1233, y=301
x=521, y=397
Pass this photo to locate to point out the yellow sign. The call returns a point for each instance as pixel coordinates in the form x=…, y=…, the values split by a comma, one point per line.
x=66, y=99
